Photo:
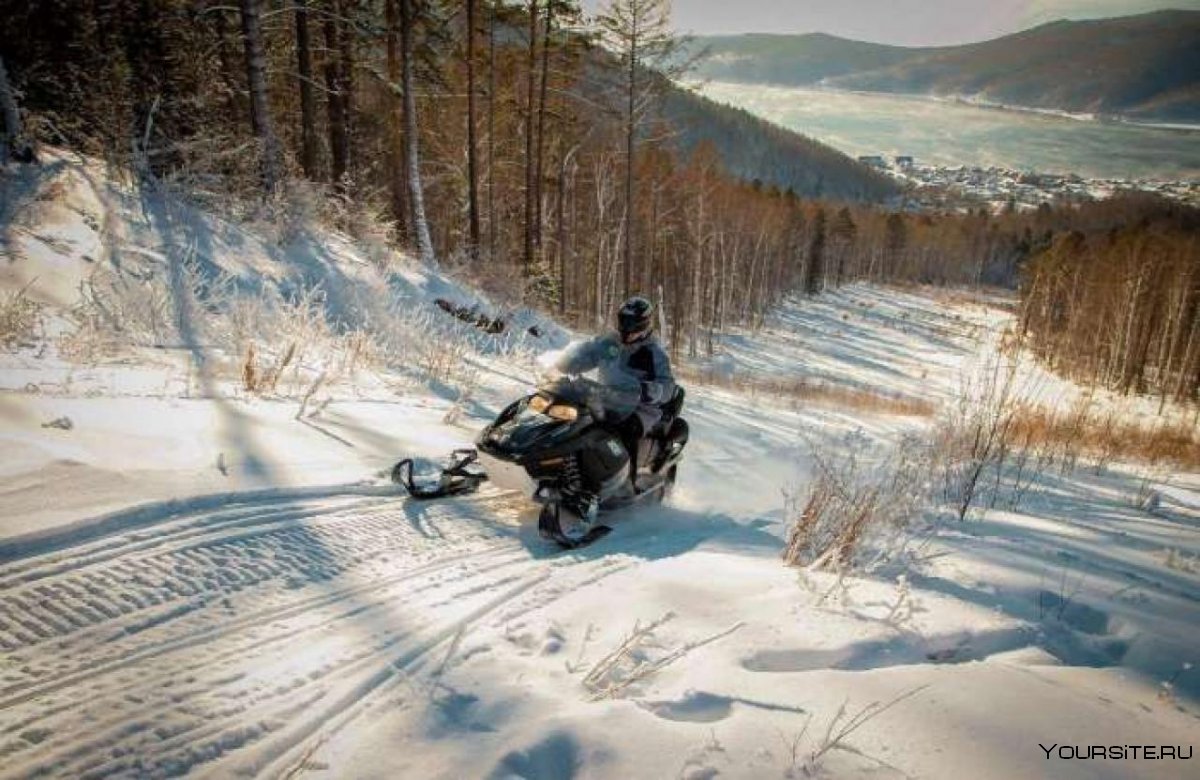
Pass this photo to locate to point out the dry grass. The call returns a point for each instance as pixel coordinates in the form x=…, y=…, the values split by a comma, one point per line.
x=816, y=393
x=1103, y=437
x=19, y=318
x=631, y=661
x=265, y=380
x=861, y=506
x=840, y=727
x=991, y=297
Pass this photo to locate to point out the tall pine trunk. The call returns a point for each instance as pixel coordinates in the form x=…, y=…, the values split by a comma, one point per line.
x=346, y=37
x=308, y=102
x=397, y=171
x=339, y=136
x=538, y=166
x=530, y=98
x=630, y=132
x=15, y=143
x=412, y=146
x=814, y=267
x=260, y=115
x=491, y=196
x=472, y=150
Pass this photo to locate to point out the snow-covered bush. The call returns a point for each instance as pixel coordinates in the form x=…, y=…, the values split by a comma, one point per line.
x=808, y=762
x=864, y=505
x=295, y=213
x=286, y=343
x=973, y=434
x=323, y=295
x=163, y=303
x=19, y=318
x=640, y=655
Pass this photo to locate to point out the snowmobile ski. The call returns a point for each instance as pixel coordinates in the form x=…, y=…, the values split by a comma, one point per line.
x=461, y=475
x=572, y=543
x=550, y=527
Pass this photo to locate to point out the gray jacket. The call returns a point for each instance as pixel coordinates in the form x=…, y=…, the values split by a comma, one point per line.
x=617, y=363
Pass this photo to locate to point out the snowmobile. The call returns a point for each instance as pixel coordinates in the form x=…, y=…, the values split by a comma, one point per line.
x=561, y=445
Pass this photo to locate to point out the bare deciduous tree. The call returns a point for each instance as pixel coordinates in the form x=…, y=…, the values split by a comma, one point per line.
x=260, y=112
x=640, y=32
x=420, y=224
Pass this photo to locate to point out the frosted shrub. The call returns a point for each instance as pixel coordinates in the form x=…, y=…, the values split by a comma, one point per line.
x=19, y=318
x=292, y=338
x=169, y=303
x=995, y=446
x=863, y=506
x=273, y=336
x=974, y=433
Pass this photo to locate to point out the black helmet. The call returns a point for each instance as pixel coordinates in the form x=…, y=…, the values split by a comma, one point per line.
x=635, y=317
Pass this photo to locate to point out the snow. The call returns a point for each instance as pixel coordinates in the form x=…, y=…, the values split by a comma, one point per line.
x=193, y=579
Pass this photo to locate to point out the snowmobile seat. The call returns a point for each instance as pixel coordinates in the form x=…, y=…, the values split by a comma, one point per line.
x=669, y=435
x=673, y=407
x=670, y=413
x=667, y=440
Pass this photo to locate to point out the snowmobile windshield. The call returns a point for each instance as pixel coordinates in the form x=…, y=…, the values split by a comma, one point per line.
x=607, y=401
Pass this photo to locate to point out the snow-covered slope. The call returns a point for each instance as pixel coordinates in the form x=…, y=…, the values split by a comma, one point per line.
x=195, y=578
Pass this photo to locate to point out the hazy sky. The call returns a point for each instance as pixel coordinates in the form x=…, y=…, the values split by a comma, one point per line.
x=903, y=22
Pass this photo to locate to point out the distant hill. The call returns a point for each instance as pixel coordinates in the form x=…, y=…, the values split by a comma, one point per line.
x=794, y=60
x=750, y=148
x=1144, y=67
x=753, y=149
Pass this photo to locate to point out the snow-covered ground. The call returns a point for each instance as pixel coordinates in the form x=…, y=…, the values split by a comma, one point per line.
x=195, y=578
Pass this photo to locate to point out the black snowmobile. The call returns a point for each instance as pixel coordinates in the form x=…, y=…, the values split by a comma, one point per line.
x=562, y=445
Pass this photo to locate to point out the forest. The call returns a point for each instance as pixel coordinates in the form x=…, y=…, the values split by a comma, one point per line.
x=552, y=158
x=1120, y=309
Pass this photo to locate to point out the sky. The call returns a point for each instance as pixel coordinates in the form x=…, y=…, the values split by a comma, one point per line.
x=899, y=22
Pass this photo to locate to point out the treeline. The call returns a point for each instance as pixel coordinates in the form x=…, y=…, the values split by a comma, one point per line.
x=1109, y=290
x=1120, y=309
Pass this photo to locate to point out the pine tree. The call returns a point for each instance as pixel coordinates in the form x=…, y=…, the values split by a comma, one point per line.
x=472, y=144
x=308, y=103
x=639, y=31
x=337, y=97
x=814, y=269
x=15, y=143
x=256, y=70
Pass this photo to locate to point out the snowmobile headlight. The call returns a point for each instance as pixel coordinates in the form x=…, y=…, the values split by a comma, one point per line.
x=539, y=403
x=563, y=412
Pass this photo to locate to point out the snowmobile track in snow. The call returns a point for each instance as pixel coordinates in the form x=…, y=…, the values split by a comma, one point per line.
x=230, y=636
x=181, y=562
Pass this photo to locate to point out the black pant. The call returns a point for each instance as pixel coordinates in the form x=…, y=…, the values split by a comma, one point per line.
x=631, y=432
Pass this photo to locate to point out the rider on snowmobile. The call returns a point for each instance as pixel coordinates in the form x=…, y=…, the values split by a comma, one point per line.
x=632, y=352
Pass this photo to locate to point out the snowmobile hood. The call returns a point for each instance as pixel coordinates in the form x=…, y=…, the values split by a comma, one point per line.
x=520, y=432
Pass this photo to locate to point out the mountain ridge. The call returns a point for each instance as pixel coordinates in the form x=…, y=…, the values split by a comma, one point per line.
x=1144, y=67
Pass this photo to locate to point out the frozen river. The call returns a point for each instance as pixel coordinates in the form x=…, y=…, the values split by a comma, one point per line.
x=945, y=132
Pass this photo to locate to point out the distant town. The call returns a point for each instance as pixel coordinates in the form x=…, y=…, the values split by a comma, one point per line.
x=939, y=186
